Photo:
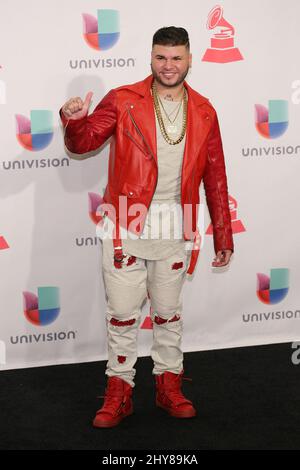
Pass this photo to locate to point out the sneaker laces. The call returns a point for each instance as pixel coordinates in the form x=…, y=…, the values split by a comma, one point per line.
x=111, y=401
x=173, y=390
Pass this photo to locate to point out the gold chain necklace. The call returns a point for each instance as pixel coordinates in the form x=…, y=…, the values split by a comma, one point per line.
x=160, y=119
x=177, y=108
x=170, y=126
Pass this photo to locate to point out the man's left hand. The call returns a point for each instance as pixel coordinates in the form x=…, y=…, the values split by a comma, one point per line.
x=222, y=258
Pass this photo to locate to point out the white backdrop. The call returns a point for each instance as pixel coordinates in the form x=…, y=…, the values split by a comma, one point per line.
x=48, y=245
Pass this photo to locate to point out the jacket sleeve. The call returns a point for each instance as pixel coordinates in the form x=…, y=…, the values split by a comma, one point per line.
x=89, y=133
x=215, y=185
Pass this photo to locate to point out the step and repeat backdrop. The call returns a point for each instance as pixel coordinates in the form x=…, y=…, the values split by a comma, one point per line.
x=246, y=61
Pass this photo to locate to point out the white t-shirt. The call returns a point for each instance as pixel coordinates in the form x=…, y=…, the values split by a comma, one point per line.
x=163, y=225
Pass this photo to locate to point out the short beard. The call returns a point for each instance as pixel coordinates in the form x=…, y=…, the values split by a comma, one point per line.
x=179, y=81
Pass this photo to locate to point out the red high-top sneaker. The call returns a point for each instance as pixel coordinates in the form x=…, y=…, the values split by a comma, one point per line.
x=169, y=395
x=117, y=403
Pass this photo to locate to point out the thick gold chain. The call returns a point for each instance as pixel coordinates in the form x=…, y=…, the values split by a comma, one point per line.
x=160, y=118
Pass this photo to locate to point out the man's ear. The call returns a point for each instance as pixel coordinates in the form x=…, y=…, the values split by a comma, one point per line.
x=190, y=59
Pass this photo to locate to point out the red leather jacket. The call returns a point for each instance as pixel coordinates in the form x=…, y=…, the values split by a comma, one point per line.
x=127, y=114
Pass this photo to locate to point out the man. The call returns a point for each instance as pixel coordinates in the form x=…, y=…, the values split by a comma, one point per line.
x=165, y=140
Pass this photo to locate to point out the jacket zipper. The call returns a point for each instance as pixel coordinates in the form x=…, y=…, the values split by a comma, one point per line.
x=140, y=133
x=136, y=142
x=193, y=177
x=219, y=197
x=191, y=191
x=146, y=144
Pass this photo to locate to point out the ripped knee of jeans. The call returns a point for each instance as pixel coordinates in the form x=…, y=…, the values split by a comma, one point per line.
x=121, y=359
x=177, y=265
x=161, y=321
x=120, y=321
x=124, y=260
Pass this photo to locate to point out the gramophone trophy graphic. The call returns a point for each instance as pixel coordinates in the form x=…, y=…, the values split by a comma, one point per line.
x=3, y=243
x=236, y=224
x=222, y=48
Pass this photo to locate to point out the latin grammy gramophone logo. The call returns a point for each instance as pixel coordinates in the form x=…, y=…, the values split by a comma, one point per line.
x=236, y=224
x=222, y=48
x=3, y=243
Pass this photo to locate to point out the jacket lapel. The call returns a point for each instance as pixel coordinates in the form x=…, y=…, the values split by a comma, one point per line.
x=142, y=111
x=198, y=121
x=198, y=125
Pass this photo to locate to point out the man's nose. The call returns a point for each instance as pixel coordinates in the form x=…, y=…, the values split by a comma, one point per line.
x=168, y=64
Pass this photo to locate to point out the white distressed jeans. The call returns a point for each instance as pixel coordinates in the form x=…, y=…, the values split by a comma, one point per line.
x=126, y=289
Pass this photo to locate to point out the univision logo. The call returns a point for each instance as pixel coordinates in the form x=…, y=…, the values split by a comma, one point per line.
x=272, y=122
x=101, y=32
x=94, y=203
x=274, y=288
x=95, y=200
x=35, y=133
x=44, y=308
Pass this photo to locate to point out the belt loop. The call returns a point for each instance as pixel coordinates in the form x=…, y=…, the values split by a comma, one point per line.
x=195, y=252
x=118, y=251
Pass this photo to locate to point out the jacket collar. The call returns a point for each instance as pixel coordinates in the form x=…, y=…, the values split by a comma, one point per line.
x=197, y=129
